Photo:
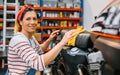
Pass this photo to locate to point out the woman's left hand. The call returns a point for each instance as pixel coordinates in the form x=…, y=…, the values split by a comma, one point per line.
x=54, y=34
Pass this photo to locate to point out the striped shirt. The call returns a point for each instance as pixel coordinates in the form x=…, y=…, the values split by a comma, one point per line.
x=24, y=54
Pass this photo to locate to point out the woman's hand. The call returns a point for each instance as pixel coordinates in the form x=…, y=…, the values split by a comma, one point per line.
x=54, y=34
x=68, y=35
x=45, y=45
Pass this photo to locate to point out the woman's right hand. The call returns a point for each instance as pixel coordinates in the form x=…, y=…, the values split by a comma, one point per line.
x=67, y=36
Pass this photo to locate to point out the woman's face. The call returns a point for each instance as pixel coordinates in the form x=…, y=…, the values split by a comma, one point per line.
x=29, y=22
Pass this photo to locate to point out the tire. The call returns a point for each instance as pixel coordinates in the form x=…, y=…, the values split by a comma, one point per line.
x=83, y=41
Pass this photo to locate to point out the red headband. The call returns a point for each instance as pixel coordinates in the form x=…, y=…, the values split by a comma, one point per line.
x=20, y=13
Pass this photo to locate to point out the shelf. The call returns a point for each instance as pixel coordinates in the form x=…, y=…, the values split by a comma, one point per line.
x=57, y=9
x=47, y=27
x=1, y=27
x=45, y=35
x=2, y=43
x=9, y=36
x=8, y=7
x=1, y=20
x=37, y=8
x=63, y=18
x=10, y=28
x=39, y=20
x=11, y=7
x=55, y=27
x=1, y=7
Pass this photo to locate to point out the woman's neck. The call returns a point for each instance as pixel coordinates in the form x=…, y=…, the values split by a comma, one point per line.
x=27, y=34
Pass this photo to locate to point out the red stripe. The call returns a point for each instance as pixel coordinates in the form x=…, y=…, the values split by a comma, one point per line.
x=23, y=45
x=28, y=55
x=16, y=61
x=41, y=62
x=37, y=64
x=18, y=44
x=19, y=47
x=14, y=57
x=18, y=65
x=23, y=51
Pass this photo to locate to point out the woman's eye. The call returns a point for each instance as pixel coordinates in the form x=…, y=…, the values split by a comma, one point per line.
x=27, y=18
x=34, y=18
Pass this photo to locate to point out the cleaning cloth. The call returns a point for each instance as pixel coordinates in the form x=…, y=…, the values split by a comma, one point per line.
x=71, y=42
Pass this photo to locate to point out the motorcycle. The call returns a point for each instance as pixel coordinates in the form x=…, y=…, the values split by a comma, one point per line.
x=81, y=59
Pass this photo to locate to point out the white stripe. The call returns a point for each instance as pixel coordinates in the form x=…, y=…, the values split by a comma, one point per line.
x=116, y=20
x=42, y=58
x=108, y=19
x=36, y=63
x=100, y=19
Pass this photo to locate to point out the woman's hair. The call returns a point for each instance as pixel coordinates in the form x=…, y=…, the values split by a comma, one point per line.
x=20, y=17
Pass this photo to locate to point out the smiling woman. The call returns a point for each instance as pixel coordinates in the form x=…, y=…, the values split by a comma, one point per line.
x=29, y=22
x=25, y=55
x=30, y=16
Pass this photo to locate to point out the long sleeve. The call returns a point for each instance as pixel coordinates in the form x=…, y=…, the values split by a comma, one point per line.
x=22, y=57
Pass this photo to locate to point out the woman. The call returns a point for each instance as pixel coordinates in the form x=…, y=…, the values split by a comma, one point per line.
x=24, y=51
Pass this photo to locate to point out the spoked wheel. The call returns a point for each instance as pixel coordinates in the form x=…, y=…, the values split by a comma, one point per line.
x=60, y=69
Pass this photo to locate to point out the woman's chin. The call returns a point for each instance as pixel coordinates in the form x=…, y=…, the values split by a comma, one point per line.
x=31, y=32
